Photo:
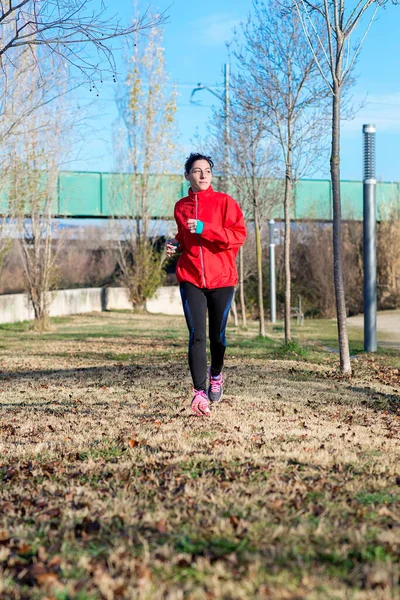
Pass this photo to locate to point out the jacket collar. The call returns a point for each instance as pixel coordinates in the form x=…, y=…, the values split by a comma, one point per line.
x=203, y=194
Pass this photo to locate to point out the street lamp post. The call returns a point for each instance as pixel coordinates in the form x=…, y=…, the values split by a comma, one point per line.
x=227, y=126
x=225, y=99
x=369, y=239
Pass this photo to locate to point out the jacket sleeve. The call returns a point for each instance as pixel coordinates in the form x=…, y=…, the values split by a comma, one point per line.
x=232, y=233
x=179, y=235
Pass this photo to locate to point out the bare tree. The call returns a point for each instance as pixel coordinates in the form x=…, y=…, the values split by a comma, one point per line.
x=74, y=31
x=248, y=170
x=241, y=288
x=146, y=147
x=17, y=103
x=5, y=240
x=254, y=168
x=328, y=28
x=281, y=82
x=79, y=31
x=34, y=152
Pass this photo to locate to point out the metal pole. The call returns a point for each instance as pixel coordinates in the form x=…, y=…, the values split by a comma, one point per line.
x=227, y=128
x=272, y=278
x=225, y=99
x=369, y=239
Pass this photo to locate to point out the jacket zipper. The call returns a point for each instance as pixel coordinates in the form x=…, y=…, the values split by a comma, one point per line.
x=201, y=247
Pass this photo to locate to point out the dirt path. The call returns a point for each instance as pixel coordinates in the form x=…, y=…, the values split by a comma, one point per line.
x=388, y=327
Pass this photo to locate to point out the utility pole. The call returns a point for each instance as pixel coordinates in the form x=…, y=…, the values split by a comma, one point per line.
x=369, y=239
x=225, y=99
x=227, y=128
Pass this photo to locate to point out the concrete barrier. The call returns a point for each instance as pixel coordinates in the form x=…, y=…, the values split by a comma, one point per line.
x=16, y=307
x=71, y=302
x=166, y=301
x=116, y=299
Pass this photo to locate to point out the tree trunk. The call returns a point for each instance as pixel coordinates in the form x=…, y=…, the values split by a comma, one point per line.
x=345, y=366
x=36, y=253
x=257, y=230
x=286, y=203
x=241, y=287
x=234, y=311
x=41, y=311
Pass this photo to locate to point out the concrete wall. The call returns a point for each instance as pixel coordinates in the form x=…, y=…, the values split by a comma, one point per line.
x=71, y=302
x=15, y=307
x=116, y=299
x=166, y=301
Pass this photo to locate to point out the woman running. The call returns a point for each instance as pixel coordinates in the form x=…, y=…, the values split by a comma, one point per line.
x=210, y=232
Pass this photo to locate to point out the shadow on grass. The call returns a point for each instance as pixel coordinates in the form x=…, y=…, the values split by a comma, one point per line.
x=351, y=396
x=65, y=407
x=96, y=376
x=146, y=375
x=131, y=336
x=158, y=353
x=378, y=400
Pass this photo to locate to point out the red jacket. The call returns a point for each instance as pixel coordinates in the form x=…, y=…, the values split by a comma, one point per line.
x=208, y=260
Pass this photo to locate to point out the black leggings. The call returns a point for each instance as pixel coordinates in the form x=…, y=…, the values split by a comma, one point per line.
x=195, y=302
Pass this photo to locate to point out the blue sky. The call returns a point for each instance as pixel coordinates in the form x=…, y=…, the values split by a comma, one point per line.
x=194, y=40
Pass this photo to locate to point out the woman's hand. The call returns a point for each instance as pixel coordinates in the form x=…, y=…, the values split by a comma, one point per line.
x=192, y=224
x=171, y=247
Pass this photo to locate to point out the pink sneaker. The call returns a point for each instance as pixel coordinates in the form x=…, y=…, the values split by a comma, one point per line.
x=216, y=387
x=200, y=405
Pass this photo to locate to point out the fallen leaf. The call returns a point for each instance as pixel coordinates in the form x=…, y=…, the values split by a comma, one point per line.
x=4, y=536
x=161, y=526
x=24, y=549
x=55, y=561
x=234, y=521
x=46, y=578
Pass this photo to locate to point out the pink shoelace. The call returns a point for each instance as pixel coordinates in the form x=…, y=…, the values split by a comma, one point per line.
x=215, y=383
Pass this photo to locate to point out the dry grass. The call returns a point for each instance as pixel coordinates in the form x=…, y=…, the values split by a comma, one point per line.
x=111, y=489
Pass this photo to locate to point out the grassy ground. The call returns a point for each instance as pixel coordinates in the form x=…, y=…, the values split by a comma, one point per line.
x=110, y=488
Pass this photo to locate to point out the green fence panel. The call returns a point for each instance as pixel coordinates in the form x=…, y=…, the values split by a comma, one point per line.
x=118, y=195
x=313, y=200
x=272, y=192
x=34, y=187
x=274, y=195
x=164, y=192
x=387, y=200
x=79, y=194
x=3, y=199
x=122, y=194
x=352, y=200
x=89, y=194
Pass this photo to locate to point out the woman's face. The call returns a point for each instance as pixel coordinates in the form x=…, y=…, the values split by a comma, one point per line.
x=200, y=175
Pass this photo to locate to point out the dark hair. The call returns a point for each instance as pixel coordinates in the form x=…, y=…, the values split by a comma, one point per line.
x=197, y=156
